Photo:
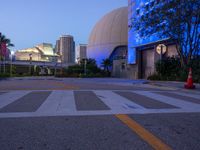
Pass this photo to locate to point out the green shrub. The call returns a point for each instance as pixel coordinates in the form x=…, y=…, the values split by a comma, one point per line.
x=4, y=75
x=170, y=69
x=154, y=77
x=92, y=70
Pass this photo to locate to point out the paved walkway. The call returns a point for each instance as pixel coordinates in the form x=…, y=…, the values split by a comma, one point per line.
x=174, y=85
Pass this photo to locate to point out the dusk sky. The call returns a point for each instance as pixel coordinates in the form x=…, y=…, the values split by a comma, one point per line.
x=30, y=22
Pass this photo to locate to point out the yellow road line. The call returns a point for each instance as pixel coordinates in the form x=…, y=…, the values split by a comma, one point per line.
x=152, y=140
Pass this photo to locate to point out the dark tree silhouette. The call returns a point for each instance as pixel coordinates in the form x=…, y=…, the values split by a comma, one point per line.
x=106, y=64
x=7, y=41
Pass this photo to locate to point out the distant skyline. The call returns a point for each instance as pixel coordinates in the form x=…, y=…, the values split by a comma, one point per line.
x=30, y=22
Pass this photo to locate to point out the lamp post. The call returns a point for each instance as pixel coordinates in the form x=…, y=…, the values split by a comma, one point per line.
x=85, y=63
x=61, y=65
x=161, y=50
x=55, y=67
x=11, y=59
x=30, y=59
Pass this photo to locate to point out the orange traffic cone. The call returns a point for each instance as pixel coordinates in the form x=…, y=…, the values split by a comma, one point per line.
x=189, y=84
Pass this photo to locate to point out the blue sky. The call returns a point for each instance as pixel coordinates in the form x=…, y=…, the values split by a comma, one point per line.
x=30, y=22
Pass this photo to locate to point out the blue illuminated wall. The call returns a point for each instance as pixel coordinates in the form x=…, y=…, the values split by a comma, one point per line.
x=133, y=38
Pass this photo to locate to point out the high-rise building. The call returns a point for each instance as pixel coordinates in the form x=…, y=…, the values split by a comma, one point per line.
x=57, y=47
x=81, y=52
x=67, y=49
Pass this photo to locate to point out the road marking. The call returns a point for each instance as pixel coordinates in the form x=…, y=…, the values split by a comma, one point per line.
x=10, y=97
x=116, y=102
x=58, y=101
x=188, y=94
x=169, y=100
x=67, y=102
x=62, y=103
x=28, y=103
x=51, y=103
x=152, y=140
x=145, y=101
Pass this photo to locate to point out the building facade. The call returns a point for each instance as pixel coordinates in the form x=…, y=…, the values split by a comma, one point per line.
x=143, y=53
x=41, y=52
x=57, y=47
x=67, y=49
x=81, y=52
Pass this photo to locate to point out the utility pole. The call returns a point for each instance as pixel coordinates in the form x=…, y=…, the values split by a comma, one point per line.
x=11, y=63
x=85, y=66
x=30, y=55
x=55, y=67
x=4, y=64
x=161, y=51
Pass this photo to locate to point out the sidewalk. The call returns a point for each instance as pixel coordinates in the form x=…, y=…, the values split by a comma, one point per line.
x=174, y=85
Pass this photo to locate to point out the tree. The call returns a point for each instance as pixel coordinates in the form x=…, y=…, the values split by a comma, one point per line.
x=3, y=39
x=90, y=65
x=106, y=64
x=178, y=20
x=89, y=61
x=8, y=43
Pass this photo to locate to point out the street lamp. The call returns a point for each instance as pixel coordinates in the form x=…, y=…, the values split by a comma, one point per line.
x=55, y=66
x=30, y=59
x=11, y=59
x=85, y=63
x=161, y=49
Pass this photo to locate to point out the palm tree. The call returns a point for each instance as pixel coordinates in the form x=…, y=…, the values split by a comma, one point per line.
x=106, y=64
x=6, y=40
x=3, y=39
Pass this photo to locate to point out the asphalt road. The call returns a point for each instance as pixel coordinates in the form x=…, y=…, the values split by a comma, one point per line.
x=96, y=114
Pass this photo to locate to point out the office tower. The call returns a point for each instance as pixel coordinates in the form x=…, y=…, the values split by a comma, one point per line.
x=81, y=52
x=57, y=47
x=67, y=49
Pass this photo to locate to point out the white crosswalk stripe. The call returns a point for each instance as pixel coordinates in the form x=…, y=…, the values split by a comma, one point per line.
x=116, y=102
x=67, y=102
x=62, y=103
x=188, y=95
x=169, y=100
x=58, y=101
x=10, y=97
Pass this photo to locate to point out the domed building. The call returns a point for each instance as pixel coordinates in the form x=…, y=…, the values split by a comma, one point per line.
x=109, y=37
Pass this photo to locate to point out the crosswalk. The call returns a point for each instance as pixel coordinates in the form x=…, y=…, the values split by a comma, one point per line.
x=95, y=102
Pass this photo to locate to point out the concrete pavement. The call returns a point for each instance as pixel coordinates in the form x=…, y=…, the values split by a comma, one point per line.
x=51, y=113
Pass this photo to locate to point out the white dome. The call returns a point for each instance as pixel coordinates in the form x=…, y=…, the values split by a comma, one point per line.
x=110, y=32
